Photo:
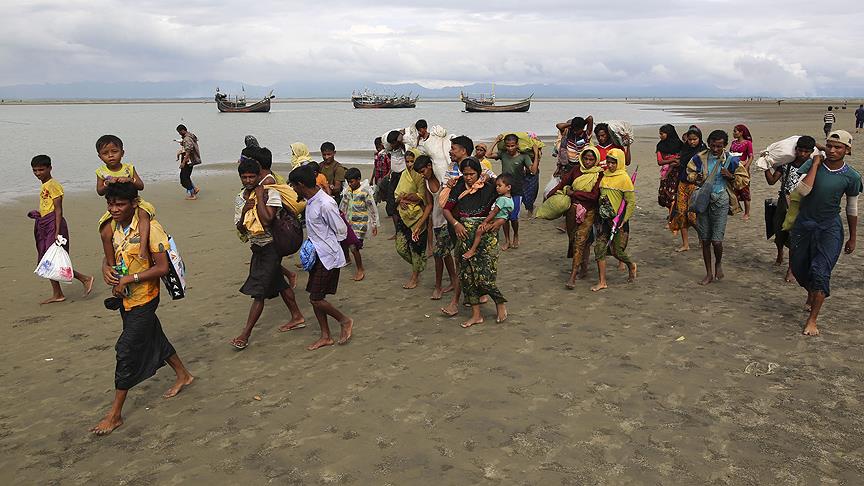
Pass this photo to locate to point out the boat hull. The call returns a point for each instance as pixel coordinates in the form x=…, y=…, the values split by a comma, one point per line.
x=519, y=107
x=373, y=105
x=262, y=106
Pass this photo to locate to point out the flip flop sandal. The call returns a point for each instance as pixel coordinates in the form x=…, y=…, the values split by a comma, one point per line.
x=239, y=344
x=298, y=326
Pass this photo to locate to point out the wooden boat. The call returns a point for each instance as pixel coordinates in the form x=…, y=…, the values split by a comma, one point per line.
x=366, y=99
x=239, y=104
x=488, y=105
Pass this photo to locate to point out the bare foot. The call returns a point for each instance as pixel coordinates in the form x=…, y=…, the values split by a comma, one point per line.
x=599, y=287
x=746, y=217
x=447, y=289
x=571, y=284
x=502, y=315
x=191, y=198
x=810, y=329
x=707, y=280
x=718, y=273
x=88, y=285
x=54, y=299
x=320, y=344
x=451, y=310
x=621, y=266
x=515, y=244
x=471, y=322
x=633, y=270
x=293, y=325
x=789, y=276
x=360, y=275
x=346, y=331
x=178, y=385
x=107, y=425
x=411, y=284
x=240, y=343
x=436, y=294
x=505, y=246
x=682, y=248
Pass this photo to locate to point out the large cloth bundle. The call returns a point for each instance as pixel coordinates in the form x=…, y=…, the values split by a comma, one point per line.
x=777, y=154
x=527, y=142
x=555, y=206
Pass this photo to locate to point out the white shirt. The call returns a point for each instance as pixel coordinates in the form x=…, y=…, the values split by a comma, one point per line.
x=397, y=155
x=325, y=229
x=438, y=219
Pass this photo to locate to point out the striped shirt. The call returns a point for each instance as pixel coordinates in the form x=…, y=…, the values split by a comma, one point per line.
x=829, y=117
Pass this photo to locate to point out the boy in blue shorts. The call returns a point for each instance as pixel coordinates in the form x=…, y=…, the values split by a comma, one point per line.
x=514, y=164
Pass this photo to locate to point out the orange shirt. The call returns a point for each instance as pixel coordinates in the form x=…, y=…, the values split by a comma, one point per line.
x=127, y=243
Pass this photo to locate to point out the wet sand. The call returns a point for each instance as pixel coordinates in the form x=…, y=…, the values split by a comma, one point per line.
x=575, y=388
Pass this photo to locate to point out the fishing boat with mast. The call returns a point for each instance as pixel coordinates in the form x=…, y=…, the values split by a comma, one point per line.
x=369, y=99
x=238, y=104
x=484, y=103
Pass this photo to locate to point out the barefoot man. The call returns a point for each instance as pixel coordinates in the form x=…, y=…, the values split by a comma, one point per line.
x=142, y=347
x=817, y=237
x=325, y=228
x=443, y=252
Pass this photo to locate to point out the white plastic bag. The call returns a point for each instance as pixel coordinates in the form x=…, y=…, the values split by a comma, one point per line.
x=56, y=264
x=175, y=279
x=552, y=184
x=621, y=132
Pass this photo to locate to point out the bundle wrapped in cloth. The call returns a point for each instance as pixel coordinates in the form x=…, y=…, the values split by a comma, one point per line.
x=527, y=141
x=289, y=201
x=621, y=132
x=554, y=206
x=777, y=154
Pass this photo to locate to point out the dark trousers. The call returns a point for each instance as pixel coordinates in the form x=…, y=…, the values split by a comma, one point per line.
x=186, y=177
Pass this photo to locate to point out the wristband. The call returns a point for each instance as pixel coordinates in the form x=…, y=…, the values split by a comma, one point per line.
x=135, y=278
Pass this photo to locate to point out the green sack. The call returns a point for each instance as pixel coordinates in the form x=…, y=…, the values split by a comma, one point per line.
x=556, y=206
x=526, y=142
x=792, y=211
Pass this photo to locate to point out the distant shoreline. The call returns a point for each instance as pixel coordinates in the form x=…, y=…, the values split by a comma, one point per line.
x=648, y=100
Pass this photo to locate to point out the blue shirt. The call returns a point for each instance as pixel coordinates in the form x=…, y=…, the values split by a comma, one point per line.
x=732, y=162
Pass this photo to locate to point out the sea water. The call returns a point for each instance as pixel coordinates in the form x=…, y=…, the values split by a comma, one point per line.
x=67, y=133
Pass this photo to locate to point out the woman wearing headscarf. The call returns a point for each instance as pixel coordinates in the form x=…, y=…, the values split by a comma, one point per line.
x=411, y=240
x=582, y=184
x=681, y=217
x=743, y=147
x=668, y=158
x=300, y=155
x=615, y=187
x=251, y=141
x=466, y=208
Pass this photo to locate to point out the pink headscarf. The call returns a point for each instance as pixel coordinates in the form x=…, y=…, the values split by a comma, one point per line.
x=744, y=131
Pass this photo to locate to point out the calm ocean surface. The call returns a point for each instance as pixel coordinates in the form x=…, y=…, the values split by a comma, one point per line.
x=68, y=132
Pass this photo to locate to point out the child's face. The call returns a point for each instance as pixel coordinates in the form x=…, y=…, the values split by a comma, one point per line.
x=693, y=140
x=802, y=154
x=120, y=209
x=588, y=159
x=111, y=155
x=502, y=188
x=354, y=184
x=328, y=155
x=409, y=159
x=250, y=180
x=423, y=132
x=42, y=172
x=611, y=164
x=379, y=147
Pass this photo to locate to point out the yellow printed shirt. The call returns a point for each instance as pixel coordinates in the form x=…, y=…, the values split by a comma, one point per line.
x=127, y=244
x=50, y=190
x=125, y=170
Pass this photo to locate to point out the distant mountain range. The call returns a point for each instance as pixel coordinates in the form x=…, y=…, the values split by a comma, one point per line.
x=324, y=89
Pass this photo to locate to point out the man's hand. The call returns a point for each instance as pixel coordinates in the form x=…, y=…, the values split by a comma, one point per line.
x=850, y=246
x=725, y=173
x=109, y=276
x=375, y=231
x=250, y=204
x=121, y=285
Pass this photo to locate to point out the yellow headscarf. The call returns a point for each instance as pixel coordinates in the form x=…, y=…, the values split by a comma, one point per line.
x=586, y=181
x=300, y=155
x=411, y=183
x=618, y=180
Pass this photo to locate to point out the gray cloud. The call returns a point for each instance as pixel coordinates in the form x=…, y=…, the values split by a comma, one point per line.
x=709, y=47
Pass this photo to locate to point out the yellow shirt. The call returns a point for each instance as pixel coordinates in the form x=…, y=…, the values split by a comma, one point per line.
x=47, y=193
x=125, y=170
x=127, y=243
x=486, y=164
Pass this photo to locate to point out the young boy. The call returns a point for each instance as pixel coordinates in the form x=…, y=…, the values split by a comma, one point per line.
x=325, y=230
x=358, y=206
x=332, y=170
x=266, y=275
x=515, y=164
x=50, y=223
x=142, y=347
x=498, y=216
x=110, y=150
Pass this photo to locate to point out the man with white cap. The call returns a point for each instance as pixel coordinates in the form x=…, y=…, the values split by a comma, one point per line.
x=817, y=236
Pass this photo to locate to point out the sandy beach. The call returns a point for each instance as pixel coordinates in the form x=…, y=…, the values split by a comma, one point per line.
x=657, y=382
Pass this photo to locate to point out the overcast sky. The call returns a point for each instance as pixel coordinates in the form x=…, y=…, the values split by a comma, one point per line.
x=709, y=47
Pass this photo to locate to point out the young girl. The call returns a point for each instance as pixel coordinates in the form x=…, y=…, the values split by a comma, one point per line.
x=615, y=187
x=681, y=217
x=668, y=158
x=743, y=147
x=499, y=214
x=358, y=206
